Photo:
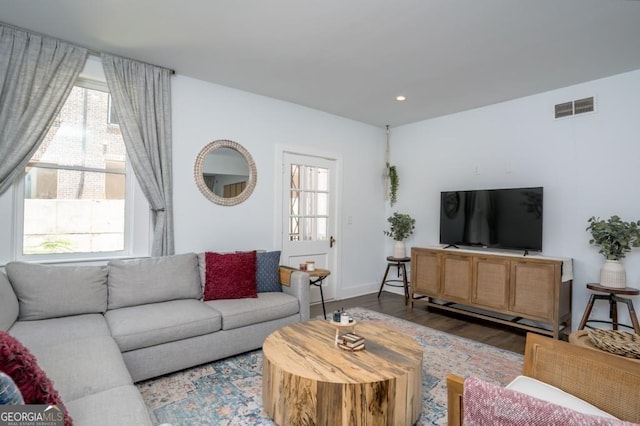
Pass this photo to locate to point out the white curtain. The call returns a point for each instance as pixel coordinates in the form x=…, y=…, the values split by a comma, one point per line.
x=36, y=75
x=141, y=94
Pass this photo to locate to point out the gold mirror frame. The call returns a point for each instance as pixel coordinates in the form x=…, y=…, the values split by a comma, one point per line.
x=199, y=175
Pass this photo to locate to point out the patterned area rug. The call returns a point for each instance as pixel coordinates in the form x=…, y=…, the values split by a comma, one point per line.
x=229, y=392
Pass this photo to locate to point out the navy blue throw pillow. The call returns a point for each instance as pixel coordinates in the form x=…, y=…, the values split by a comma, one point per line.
x=267, y=277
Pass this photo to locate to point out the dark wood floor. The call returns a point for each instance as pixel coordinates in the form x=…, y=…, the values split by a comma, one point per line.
x=471, y=328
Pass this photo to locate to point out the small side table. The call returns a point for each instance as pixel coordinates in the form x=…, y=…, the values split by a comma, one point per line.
x=316, y=277
x=400, y=265
x=613, y=299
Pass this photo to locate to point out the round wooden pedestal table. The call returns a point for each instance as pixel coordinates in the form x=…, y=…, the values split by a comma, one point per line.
x=307, y=380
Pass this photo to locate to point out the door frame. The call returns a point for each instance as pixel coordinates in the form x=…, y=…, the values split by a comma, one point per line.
x=335, y=210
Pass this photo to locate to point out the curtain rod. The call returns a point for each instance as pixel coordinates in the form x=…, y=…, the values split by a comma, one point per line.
x=90, y=51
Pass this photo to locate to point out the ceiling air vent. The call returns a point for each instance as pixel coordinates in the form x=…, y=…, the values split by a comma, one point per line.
x=564, y=110
x=580, y=106
x=583, y=105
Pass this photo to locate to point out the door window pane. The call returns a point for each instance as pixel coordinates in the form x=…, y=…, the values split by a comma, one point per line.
x=323, y=180
x=322, y=204
x=321, y=228
x=309, y=209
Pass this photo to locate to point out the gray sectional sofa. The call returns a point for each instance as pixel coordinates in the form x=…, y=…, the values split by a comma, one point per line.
x=96, y=330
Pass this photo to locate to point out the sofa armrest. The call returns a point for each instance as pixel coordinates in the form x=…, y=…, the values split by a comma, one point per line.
x=9, y=305
x=455, y=390
x=298, y=286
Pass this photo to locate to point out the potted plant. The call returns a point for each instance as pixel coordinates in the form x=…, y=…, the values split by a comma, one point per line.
x=402, y=226
x=616, y=238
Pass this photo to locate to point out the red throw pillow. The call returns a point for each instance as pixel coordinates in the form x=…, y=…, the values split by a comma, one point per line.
x=230, y=275
x=21, y=365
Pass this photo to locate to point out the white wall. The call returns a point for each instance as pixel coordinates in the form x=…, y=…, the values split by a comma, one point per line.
x=588, y=166
x=203, y=112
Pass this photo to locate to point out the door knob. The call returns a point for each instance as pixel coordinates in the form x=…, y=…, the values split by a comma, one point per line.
x=332, y=241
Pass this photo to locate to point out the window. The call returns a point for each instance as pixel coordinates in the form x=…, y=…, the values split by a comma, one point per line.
x=111, y=116
x=76, y=191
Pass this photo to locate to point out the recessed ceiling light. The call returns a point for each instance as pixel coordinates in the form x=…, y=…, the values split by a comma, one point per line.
x=401, y=98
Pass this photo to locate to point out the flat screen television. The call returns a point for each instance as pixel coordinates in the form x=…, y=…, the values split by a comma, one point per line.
x=492, y=218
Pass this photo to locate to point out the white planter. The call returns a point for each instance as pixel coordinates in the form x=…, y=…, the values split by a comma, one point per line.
x=399, y=250
x=612, y=274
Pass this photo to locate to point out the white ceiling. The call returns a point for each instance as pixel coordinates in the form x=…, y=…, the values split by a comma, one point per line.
x=352, y=57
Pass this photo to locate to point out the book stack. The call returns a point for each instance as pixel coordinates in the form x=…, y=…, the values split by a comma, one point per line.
x=351, y=342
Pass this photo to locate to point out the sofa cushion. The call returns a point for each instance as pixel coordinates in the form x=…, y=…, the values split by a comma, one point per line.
x=113, y=407
x=266, y=307
x=21, y=365
x=9, y=392
x=137, y=327
x=202, y=269
x=157, y=279
x=267, y=271
x=488, y=404
x=230, y=275
x=56, y=330
x=55, y=291
x=84, y=367
x=8, y=303
x=546, y=392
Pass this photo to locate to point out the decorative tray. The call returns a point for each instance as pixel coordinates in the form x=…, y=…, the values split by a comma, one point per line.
x=616, y=342
x=339, y=324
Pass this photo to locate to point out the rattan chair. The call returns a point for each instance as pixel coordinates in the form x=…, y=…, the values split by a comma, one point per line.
x=609, y=382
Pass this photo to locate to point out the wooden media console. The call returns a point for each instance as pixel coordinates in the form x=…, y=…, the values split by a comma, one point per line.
x=527, y=292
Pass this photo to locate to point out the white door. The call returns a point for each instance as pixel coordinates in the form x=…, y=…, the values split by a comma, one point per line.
x=309, y=211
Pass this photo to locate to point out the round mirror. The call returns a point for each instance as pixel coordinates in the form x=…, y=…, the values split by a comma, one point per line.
x=225, y=172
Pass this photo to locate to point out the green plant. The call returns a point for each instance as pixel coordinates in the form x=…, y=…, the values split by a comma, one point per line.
x=393, y=185
x=50, y=246
x=614, y=236
x=402, y=226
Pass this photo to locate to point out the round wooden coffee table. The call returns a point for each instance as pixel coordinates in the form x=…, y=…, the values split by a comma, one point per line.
x=308, y=380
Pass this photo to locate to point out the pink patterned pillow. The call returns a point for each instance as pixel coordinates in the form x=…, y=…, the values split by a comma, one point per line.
x=488, y=404
x=230, y=275
x=21, y=365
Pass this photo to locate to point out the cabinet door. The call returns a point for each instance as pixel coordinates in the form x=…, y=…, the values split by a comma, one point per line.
x=456, y=278
x=491, y=283
x=533, y=289
x=425, y=272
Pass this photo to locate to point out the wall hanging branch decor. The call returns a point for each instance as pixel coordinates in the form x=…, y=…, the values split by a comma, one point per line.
x=390, y=175
x=393, y=185
x=385, y=174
